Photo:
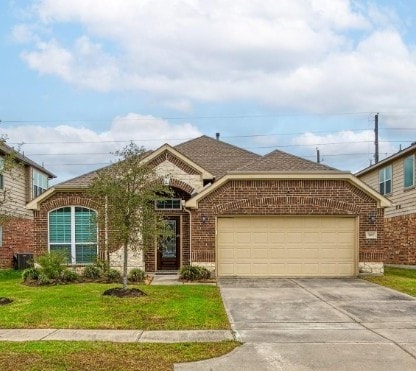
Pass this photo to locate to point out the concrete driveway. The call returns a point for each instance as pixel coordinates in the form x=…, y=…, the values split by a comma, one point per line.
x=316, y=324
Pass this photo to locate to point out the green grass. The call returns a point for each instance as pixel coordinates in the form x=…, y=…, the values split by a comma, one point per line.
x=83, y=306
x=57, y=355
x=400, y=279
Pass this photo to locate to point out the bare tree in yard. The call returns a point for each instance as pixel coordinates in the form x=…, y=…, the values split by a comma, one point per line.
x=127, y=191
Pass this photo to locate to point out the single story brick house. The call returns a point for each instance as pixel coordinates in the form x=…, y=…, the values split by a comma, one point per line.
x=395, y=177
x=238, y=213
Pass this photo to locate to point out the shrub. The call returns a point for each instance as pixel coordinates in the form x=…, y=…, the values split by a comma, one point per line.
x=113, y=275
x=136, y=275
x=194, y=273
x=52, y=264
x=30, y=274
x=92, y=272
x=43, y=279
x=69, y=276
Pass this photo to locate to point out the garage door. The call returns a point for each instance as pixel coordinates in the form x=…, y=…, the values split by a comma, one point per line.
x=286, y=246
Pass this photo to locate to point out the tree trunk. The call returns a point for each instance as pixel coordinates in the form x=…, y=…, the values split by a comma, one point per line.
x=125, y=253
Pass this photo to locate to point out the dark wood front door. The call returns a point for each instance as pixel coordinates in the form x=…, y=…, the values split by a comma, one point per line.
x=168, y=251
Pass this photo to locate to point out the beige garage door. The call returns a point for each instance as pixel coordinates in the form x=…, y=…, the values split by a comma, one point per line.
x=286, y=246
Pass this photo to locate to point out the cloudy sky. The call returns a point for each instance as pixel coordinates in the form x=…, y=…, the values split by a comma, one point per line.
x=82, y=78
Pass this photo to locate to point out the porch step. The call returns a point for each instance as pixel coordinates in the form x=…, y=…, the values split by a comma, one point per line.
x=166, y=273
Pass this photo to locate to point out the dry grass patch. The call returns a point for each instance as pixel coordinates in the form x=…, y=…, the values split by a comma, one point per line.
x=48, y=355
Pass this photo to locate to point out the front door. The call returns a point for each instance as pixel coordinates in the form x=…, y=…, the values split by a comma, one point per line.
x=168, y=252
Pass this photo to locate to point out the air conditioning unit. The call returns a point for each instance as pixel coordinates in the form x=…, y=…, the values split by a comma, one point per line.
x=23, y=260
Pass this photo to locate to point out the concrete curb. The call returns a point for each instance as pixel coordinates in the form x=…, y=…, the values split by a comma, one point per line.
x=118, y=336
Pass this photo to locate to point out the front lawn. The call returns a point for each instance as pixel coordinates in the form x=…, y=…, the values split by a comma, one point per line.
x=83, y=306
x=400, y=279
x=57, y=355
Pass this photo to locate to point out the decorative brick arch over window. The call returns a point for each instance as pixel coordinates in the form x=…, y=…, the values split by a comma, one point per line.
x=176, y=183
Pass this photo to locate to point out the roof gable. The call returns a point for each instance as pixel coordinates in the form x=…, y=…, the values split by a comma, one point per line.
x=281, y=161
x=166, y=152
x=216, y=156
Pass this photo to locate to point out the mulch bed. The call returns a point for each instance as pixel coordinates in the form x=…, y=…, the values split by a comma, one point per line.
x=124, y=293
x=4, y=301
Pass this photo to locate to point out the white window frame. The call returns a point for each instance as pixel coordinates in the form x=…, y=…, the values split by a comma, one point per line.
x=169, y=208
x=73, y=243
x=383, y=180
x=412, y=157
x=39, y=182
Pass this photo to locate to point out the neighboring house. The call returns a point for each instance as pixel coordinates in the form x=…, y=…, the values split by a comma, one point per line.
x=21, y=180
x=238, y=213
x=395, y=178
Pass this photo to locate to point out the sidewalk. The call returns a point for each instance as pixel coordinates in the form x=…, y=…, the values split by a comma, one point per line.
x=119, y=336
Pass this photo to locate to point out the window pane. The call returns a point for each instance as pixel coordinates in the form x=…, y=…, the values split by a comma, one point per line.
x=86, y=253
x=385, y=181
x=409, y=171
x=170, y=204
x=64, y=249
x=60, y=225
x=85, y=226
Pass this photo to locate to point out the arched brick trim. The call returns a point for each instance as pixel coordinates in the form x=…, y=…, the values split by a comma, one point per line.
x=290, y=204
x=167, y=156
x=66, y=199
x=181, y=185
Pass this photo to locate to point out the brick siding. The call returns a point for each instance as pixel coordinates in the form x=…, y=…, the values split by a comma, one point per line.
x=400, y=245
x=287, y=197
x=250, y=197
x=17, y=238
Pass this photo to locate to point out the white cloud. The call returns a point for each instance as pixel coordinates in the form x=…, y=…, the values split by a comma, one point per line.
x=308, y=55
x=346, y=150
x=70, y=151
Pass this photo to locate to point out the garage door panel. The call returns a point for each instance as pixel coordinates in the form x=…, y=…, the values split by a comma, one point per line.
x=225, y=254
x=244, y=253
x=243, y=237
x=276, y=253
x=286, y=246
x=226, y=238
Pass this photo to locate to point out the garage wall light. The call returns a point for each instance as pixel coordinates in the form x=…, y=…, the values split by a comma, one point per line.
x=203, y=218
x=372, y=218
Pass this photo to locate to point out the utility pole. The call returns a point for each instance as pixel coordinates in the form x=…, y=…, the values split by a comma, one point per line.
x=318, y=156
x=376, y=138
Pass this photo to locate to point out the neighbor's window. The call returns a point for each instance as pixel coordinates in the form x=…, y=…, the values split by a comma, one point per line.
x=40, y=183
x=1, y=236
x=385, y=180
x=73, y=231
x=170, y=204
x=409, y=171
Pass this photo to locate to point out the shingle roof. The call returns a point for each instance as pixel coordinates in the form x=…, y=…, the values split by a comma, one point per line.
x=219, y=157
x=5, y=149
x=215, y=156
x=81, y=181
x=282, y=161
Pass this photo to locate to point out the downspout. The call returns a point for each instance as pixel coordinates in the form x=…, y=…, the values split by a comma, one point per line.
x=190, y=232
